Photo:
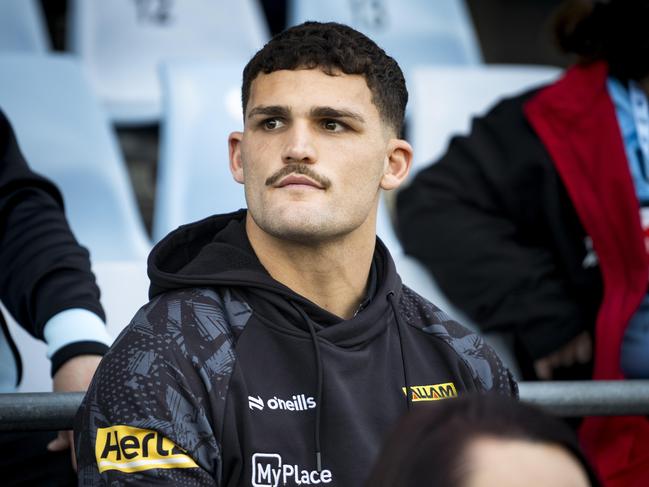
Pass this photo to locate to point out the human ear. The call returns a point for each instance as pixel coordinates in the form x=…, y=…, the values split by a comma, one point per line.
x=398, y=163
x=234, y=148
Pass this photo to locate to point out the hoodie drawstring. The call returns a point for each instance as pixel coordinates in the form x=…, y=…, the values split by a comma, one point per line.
x=400, y=325
x=320, y=372
x=320, y=375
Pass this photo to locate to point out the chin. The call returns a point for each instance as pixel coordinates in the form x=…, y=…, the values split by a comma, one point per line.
x=304, y=224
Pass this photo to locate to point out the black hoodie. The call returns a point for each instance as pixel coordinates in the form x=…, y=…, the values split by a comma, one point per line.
x=227, y=377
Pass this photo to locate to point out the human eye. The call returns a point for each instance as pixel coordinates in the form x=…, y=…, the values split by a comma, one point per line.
x=333, y=125
x=272, y=124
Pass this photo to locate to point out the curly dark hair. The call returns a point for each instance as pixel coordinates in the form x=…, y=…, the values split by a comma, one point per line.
x=332, y=48
x=614, y=31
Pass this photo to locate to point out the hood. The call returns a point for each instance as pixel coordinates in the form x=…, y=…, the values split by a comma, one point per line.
x=216, y=252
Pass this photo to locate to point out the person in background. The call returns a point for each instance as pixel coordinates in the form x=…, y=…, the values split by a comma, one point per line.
x=481, y=441
x=47, y=286
x=279, y=344
x=537, y=223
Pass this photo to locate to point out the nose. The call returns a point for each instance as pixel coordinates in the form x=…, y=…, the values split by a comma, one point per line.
x=299, y=145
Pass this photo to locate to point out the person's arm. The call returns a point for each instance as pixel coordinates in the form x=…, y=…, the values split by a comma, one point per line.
x=153, y=411
x=476, y=220
x=46, y=282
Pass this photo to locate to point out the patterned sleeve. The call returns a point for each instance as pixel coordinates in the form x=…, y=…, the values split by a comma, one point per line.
x=488, y=372
x=148, y=415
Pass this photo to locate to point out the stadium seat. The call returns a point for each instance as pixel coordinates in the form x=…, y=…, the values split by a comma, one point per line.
x=121, y=43
x=65, y=135
x=202, y=105
x=445, y=99
x=22, y=28
x=412, y=31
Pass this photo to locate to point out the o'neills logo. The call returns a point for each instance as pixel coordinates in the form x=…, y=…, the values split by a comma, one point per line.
x=432, y=392
x=130, y=449
x=269, y=471
x=299, y=402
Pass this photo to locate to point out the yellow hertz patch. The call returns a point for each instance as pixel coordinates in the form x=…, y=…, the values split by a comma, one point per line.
x=130, y=449
x=432, y=392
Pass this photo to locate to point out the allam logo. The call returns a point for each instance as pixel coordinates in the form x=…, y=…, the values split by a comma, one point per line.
x=299, y=402
x=268, y=470
x=431, y=392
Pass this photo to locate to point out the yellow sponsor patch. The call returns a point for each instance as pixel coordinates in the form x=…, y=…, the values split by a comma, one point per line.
x=432, y=392
x=130, y=449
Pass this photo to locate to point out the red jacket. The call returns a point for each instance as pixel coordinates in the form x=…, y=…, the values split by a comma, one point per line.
x=576, y=121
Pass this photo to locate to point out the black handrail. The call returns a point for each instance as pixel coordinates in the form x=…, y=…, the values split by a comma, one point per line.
x=42, y=411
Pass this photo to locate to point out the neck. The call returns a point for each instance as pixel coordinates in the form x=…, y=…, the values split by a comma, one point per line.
x=331, y=274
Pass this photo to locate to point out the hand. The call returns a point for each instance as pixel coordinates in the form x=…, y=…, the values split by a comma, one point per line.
x=73, y=376
x=578, y=350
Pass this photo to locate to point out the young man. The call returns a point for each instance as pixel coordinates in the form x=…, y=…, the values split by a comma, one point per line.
x=280, y=343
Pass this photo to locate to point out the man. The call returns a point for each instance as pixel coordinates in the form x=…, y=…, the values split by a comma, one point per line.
x=280, y=345
x=47, y=286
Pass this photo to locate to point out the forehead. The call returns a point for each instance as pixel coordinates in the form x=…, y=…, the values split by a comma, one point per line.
x=308, y=88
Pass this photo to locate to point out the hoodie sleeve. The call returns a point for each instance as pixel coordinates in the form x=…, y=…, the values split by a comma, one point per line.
x=153, y=412
x=487, y=371
x=44, y=270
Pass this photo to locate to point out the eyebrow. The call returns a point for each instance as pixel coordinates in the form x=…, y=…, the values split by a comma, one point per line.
x=270, y=111
x=317, y=112
x=329, y=112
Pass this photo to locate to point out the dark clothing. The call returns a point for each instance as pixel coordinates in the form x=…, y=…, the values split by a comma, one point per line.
x=26, y=462
x=494, y=224
x=44, y=269
x=537, y=234
x=253, y=381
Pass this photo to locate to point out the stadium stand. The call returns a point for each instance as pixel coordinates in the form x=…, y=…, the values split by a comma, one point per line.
x=202, y=105
x=22, y=28
x=446, y=98
x=412, y=31
x=121, y=43
x=65, y=135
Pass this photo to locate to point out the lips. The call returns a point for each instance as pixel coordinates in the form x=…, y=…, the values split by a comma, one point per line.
x=298, y=179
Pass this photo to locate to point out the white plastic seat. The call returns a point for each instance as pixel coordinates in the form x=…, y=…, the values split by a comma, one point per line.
x=445, y=99
x=202, y=105
x=22, y=28
x=412, y=31
x=122, y=42
x=64, y=134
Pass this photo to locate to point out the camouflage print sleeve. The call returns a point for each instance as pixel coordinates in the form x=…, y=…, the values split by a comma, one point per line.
x=147, y=416
x=487, y=370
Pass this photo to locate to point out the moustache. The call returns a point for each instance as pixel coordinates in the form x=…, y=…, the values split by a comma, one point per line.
x=303, y=169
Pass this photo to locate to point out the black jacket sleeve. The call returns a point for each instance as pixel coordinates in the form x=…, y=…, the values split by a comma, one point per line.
x=44, y=269
x=153, y=413
x=493, y=223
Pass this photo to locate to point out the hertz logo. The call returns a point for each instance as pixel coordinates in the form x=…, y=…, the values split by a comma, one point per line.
x=130, y=449
x=433, y=392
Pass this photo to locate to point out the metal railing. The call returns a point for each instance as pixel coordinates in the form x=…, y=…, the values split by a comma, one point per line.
x=42, y=411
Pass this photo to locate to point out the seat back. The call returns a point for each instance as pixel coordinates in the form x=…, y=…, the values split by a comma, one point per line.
x=64, y=134
x=202, y=105
x=445, y=99
x=122, y=42
x=412, y=31
x=22, y=28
